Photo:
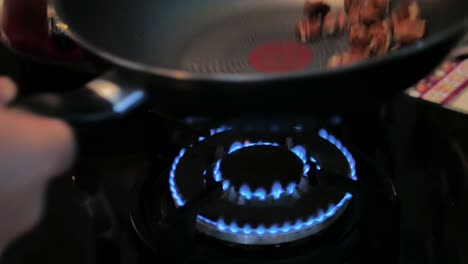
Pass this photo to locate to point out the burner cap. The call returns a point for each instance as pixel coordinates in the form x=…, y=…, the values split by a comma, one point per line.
x=260, y=167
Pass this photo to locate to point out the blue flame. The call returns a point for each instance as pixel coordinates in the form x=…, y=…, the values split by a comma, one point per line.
x=238, y=145
x=291, y=188
x=286, y=227
x=226, y=185
x=276, y=191
x=317, y=166
x=301, y=152
x=213, y=132
x=245, y=192
x=217, y=172
x=260, y=193
x=219, y=130
x=172, y=185
x=352, y=163
x=235, y=146
x=176, y=196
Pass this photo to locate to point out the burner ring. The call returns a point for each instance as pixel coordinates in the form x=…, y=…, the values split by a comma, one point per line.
x=262, y=223
x=272, y=188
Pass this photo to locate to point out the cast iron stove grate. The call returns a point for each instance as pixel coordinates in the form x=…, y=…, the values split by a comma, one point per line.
x=291, y=216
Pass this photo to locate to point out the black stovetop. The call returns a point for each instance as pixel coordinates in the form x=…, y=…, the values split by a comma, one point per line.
x=355, y=237
x=106, y=189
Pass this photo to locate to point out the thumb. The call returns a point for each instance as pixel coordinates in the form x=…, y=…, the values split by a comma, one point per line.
x=7, y=90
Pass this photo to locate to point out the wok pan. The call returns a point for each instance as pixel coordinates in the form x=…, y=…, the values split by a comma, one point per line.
x=201, y=57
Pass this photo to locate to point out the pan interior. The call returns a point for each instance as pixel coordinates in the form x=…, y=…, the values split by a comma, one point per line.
x=210, y=36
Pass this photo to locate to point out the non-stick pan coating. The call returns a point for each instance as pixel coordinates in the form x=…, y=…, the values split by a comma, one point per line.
x=211, y=36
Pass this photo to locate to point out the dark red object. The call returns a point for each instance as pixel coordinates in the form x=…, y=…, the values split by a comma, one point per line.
x=25, y=26
x=280, y=56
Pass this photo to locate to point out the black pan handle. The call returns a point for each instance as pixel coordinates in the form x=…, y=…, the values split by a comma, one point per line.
x=109, y=96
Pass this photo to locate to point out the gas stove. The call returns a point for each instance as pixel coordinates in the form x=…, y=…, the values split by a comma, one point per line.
x=279, y=195
x=320, y=189
x=150, y=188
x=270, y=192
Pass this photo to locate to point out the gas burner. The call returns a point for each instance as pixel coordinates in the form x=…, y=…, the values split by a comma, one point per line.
x=271, y=191
x=274, y=167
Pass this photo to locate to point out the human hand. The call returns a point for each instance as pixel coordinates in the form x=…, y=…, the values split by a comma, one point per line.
x=33, y=149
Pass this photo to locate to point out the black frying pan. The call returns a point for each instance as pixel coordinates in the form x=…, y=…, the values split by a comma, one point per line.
x=196, y=56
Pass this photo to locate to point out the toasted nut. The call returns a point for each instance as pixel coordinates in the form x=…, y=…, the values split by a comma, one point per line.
x=330, y=23
x=359, y=35
x=316, y=8
x=414, y=11
x=409, y=31
x=380, y=38
x=334, y=61
x=342, y=21
x=347, y=5
x=308, y=29
x=369, y=14
x=383, y=5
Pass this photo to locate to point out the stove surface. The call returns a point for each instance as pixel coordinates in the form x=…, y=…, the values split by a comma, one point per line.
x=208, y=205
x=137, y=184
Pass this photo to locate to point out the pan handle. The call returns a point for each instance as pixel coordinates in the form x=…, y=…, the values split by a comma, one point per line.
x=109, y=96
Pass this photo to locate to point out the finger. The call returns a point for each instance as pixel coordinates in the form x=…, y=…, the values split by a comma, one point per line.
x=32, y=150
x=47, y=146
x=7, y=90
